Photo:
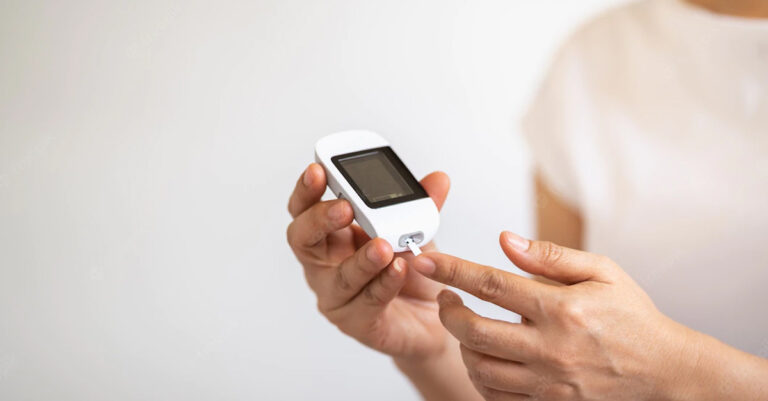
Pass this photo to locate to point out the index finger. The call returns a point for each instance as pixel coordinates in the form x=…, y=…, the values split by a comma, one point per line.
x=510, y=291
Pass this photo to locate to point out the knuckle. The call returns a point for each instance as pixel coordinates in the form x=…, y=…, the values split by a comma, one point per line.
x=606, y=264
x=342, y=282
x=480, y=373
x=317, y=237
x=572, y=311
x=321, y=307
x=335, y=214
x=366, y=269
x=492, y=285
x=452, y=270
x=328, y=311
x=561, y=361
x=488, y=393
x=372, y=297
x=550, y=252
x=477, y=336
x=539, y=392
x=603, y=261
x=560, y=391
x=290, y=234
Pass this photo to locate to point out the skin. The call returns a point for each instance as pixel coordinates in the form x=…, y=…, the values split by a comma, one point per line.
x=555, y=220
x=588, y=331
x=369, y=292
x=597, y=336
x=735, y=8
x=594, y=335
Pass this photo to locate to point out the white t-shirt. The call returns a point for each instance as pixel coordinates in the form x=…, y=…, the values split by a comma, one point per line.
x=653, y=122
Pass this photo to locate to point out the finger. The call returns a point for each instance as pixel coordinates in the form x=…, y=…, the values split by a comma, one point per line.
x=308, y=191
x=498, y=374
x=355, y=272
x=315, y=223
x=359, y=236
x=383, y=289
x=490, y=394
x=555, y=262
x=437, y=185
x=510, y=341
x=420, y=287
x=510, y=291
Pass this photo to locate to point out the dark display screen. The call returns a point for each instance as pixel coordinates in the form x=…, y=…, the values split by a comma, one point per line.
x=379, y=177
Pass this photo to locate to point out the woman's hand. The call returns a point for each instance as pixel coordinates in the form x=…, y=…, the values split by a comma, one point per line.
x=597, y=337
x=361, y=285
x=370, y=294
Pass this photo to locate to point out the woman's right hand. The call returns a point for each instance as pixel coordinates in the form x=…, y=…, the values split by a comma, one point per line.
x=362, y=287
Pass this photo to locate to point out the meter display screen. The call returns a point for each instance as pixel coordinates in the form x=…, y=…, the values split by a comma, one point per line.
x=379, y=177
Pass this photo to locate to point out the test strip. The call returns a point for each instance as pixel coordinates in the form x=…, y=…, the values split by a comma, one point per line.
x=412, y=246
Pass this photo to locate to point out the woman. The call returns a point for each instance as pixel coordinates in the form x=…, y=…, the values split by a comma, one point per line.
x=649, y=140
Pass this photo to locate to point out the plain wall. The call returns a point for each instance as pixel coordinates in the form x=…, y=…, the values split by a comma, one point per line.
x=147, y=151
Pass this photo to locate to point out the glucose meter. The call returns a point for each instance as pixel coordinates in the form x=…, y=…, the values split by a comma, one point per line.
x=387, y=199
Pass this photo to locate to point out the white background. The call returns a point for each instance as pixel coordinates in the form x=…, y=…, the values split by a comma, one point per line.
x=147, y=151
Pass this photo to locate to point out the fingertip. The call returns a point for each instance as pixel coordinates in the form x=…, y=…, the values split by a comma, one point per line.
x=379, y=251
x=445, y=181
x=510, y=240
x=437, y=185
x=446, y=177
x=313, y=175
x=442, y=177
x=384, y=246
x=448, y=297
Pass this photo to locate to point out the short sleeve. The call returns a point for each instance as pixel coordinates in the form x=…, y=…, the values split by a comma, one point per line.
x=554, y=122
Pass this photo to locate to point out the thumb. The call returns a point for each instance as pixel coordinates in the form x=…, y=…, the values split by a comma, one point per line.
x=555, y=262
x=437, y=185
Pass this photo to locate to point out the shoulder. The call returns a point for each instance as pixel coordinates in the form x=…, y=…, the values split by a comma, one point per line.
x=597, y=65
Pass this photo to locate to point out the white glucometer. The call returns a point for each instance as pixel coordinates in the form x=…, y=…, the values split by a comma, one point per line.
x=387, y=199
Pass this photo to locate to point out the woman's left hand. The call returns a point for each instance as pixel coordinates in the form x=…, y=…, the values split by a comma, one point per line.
x=596, y=337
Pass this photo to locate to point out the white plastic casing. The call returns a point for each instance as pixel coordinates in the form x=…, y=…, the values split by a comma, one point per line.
x=417, y=218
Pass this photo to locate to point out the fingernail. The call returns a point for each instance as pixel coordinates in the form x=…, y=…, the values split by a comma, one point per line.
x=307, y=177
x=397, y=267
x=515, y=241
x=424, y=265
x=337, y=211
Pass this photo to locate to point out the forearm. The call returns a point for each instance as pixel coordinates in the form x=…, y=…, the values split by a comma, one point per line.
x=716, y=371
x=443, y=378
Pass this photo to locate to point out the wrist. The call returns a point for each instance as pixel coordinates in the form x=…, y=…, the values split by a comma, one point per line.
x=703, y=368
x=722, y=372
x=679, y=376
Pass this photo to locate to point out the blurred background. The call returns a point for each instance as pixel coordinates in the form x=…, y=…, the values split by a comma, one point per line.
x=148, y=149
